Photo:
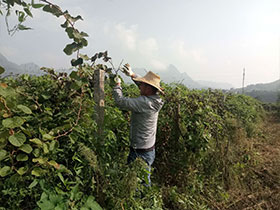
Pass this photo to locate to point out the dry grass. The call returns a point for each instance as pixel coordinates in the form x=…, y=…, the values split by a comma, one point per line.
x=262, y=187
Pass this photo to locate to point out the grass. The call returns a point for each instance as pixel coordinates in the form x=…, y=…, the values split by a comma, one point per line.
x=260, y=186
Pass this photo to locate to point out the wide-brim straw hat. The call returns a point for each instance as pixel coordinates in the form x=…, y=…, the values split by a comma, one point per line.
x=151, y=79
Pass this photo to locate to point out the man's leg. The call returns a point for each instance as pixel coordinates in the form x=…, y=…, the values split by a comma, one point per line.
x=148, y=157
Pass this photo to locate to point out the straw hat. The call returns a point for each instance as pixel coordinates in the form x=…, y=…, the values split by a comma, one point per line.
x=151, y=79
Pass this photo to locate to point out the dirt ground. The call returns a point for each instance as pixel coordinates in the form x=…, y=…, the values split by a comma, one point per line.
x=265, y=190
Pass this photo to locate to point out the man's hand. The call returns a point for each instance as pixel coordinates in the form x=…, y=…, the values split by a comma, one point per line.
x=117, y=80
x=114, y=80
x=126, y=69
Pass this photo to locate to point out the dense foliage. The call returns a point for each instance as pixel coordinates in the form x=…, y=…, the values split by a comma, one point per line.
x=51, y=154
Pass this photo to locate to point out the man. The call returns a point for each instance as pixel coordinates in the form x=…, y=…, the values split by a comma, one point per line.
x=145, y=109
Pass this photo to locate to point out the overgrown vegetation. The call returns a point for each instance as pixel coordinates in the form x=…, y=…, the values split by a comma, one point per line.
x=51, y=154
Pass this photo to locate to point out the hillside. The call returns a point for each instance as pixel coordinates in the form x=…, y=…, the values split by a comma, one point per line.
x=15, y=69
x=272, y=86
x=266, y=92
x=170, y=75
x=173, y=75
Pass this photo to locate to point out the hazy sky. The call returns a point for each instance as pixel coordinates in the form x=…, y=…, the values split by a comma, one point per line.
x=208, y=39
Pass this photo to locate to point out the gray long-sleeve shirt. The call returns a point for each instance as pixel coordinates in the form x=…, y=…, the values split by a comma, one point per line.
x=144, y=117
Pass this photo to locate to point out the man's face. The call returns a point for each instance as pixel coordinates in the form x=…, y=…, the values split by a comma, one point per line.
x=143, y=89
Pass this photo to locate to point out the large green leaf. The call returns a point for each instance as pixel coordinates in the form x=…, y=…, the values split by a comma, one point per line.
x=22, y=170
x=7, y=92
x=37, y=171
x=53, y=145
x=76, y=62
x=70, y=48
x=2, y=70
x=54, y=9
x=17, y=139
x=36, y=6
x=23, y=27
x=27, y=11
x=37, y=141
x=12, y=122
x=5, y=171
x=3, y=143
x=26, y=148
x=22, y=157
x=25, y=109
x=70, y=31
x=33, y=184
x=45, y=148
x=47, y=136
x=40, y=160
x=3, y=154
x=91, y=204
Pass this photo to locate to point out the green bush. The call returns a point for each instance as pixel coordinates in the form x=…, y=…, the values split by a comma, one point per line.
x=52, y=156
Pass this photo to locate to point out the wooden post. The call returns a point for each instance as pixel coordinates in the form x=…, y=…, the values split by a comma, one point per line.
x=99, y=99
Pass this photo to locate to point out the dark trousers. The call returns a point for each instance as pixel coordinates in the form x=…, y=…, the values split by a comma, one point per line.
x=147, y=156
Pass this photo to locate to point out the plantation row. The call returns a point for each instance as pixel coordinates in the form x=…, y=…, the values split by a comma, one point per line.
x=51, y=156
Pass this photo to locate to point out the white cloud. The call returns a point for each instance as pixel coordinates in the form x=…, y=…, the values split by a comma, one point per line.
x=128, y=36
x=157, y=64
x=193, y=55
x=8, y=51
x=198, y=56
x=139, y=51
x=148, y=46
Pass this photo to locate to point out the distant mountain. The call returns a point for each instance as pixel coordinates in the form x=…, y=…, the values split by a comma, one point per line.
x=172, y=74
x=216, y=85
x=168, y=76
x=266, y=92
x=272, y=86
x=15, y=69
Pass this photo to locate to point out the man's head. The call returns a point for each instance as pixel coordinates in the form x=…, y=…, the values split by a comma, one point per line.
x=149, y=84
x=146, y=89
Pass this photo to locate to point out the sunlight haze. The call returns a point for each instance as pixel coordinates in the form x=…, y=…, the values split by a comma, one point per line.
x=210, y=40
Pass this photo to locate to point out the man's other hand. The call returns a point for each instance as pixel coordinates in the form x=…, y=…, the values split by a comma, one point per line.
x=126, y=69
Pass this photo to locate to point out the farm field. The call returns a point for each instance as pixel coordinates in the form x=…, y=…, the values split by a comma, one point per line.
x=214, y=150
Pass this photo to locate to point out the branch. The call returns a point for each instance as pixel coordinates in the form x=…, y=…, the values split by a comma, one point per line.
x=65, y=16
x=75, y=124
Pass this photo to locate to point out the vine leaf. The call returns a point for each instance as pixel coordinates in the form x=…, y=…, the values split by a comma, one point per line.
x=54, y=9
x=17, y=139
x=26, y=148
x=13, y=122
x=76, y=62
x=27, y=11
x=5, y=171
x=25, y=109
x=22, y=157
x=22, y=27
x=37, y=171
x=70, y=48
x=22, y=170
x=37, y=6
x=3, y=154
x=2, y=70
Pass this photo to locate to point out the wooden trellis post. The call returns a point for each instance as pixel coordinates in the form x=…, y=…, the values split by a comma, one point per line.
x=99, y=99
